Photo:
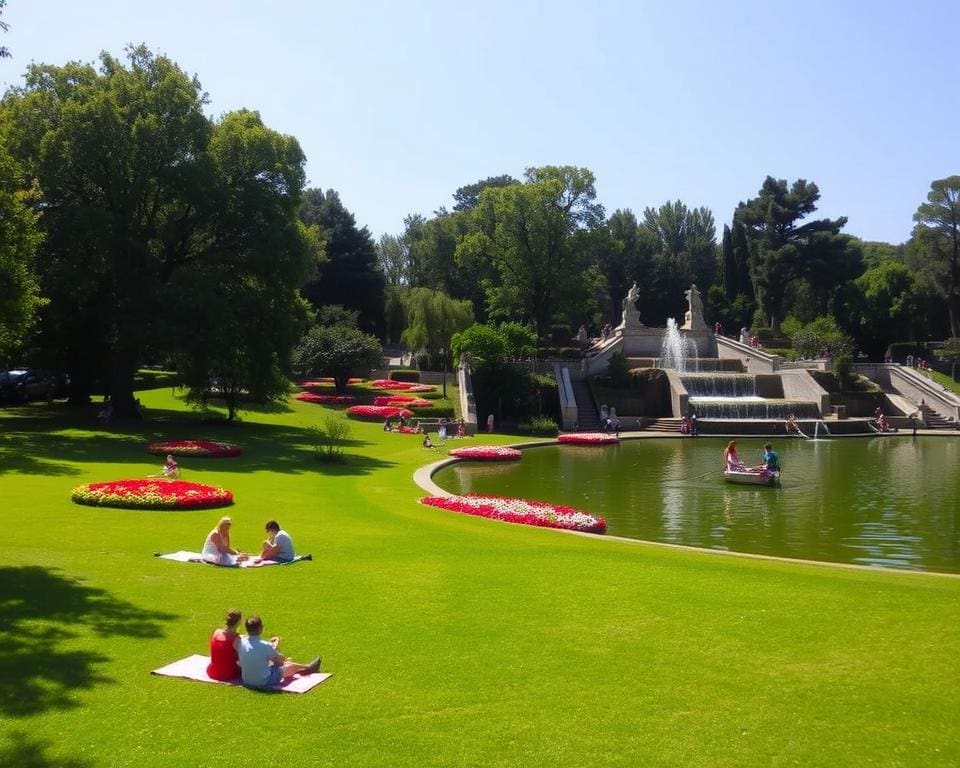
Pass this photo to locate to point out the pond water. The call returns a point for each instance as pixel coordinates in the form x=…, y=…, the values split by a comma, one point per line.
x=892, y=502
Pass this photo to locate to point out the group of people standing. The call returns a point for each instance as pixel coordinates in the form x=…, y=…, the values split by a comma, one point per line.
x=217, y=548
x=256, y=661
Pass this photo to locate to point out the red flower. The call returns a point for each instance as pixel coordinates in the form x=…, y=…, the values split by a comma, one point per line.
x=152, y=494
x=309, y=397
x=538, y=513
x=378, y=412
x=202, y=448
x=588, y=438
x=487, y=453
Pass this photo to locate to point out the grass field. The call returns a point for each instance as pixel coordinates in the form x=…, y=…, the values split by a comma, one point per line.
x=453, y=640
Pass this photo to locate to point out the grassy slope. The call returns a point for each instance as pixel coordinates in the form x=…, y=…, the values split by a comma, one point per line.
x=453, y=640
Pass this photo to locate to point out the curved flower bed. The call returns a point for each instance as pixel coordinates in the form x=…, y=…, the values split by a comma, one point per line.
x=209, y=449
x=377, y=412
x=151, y=494
x=401, y=386
x=391, y=384
x=309, y=397
x=521, y=511
x=487, y=453
x=394, y=399
x=327, y=381
x=588, y=438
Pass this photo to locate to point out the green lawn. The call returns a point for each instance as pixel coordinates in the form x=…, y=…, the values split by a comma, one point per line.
x=454, y=641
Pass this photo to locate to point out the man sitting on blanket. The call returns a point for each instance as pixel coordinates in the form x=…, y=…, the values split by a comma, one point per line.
x=261, y=664
x=278, y=546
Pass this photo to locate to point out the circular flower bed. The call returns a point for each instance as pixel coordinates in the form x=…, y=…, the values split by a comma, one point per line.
x=309, y=397
x=394, y=399
x=151, y=494
x=401, y=386
x=588, y=438
x=521, y=511
x=487, y=453
x=209, y=449
x=327, y=381
x=377, y=412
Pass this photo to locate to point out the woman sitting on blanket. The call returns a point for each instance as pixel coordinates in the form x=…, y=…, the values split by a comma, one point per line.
x=216, y=547
x=223, y=654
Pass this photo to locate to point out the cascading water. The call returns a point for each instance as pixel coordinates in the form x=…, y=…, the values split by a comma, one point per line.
x=676, y=350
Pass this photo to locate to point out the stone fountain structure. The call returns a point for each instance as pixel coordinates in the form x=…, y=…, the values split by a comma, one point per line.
x=717, y=378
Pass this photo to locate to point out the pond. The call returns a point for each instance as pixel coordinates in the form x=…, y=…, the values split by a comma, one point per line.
x=892, y=502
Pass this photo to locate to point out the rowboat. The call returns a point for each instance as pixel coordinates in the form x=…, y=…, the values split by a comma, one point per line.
x=751, y=477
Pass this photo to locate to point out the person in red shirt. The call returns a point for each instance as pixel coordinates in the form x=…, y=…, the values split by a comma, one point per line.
x=223, y=656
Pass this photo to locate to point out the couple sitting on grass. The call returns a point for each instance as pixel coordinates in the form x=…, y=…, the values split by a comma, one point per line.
x=216, y=548
x=255, y=660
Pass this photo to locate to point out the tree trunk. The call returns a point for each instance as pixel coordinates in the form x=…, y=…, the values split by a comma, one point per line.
x=121, y=385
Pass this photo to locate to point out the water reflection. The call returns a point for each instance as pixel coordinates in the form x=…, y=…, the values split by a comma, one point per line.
x=888, y=502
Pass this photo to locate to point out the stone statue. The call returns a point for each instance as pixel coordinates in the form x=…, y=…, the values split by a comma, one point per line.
x=631, y=316
x=694, y=317
x=633, y=294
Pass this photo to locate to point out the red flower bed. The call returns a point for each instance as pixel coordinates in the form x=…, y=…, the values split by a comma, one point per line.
x=394, y=399
x=151, y=494
x=401, y=386
x=377, y=412
x=588, y=438
x=209, y=449
x=327, y=381
x=521, y=511
x=391, y=384
x=487, y=453
x=309, y=397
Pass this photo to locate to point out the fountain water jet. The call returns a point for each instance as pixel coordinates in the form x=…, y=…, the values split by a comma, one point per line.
x=677, y=350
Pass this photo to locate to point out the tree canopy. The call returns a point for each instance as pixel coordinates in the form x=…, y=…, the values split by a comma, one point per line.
x=782, y=249
x=936, y=239
x=153, y=214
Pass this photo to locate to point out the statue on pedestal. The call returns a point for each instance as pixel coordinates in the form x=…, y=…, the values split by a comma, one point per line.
x=693, y=319
x=631, y=316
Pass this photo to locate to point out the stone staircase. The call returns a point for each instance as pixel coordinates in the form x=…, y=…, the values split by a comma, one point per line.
x=588, y=418
x=666, y=425
x=933, y=420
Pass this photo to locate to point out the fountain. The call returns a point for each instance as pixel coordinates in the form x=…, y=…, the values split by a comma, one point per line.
x=676, y=349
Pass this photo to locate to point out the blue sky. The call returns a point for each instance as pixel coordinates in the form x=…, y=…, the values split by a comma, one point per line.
x=397, y=104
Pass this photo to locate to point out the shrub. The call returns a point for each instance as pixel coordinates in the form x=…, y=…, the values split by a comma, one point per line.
x=539, y=425
x=329, y=437
x=618, y=369
x=436, y=411
x=404, y=374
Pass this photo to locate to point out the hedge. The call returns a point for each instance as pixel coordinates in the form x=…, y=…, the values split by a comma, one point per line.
x=404, y=374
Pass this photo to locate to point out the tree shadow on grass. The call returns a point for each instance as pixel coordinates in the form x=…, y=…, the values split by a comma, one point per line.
x=44, y=446
x=25, y=752
x=43, y=613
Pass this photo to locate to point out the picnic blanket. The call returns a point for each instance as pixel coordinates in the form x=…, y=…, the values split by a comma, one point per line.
x=195, y=668
x=183, y=556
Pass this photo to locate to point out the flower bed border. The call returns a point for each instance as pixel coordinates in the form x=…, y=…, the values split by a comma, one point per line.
x=487, y=453
x=151, y=493
x=377, y=412
x=521, y=511
x=310, y=397
x=203, y=449
x=588, y=438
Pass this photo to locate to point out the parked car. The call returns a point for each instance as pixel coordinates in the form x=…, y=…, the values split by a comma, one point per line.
x=21, y=385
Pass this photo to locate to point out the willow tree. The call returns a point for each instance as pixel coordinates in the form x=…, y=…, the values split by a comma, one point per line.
x=432, y=320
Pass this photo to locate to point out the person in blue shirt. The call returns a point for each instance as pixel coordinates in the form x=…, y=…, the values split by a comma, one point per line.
x=771, y=461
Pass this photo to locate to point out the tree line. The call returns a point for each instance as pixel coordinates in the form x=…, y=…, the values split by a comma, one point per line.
x=134, y=229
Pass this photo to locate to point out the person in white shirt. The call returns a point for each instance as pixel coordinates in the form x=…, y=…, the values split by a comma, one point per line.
x=278, y=546
x=261, y=664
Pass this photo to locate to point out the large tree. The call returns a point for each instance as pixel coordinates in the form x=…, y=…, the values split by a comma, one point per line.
x=936, y=243
x=685, y=253
x=782, y=249
x=19, y=238
x=134, y=192
x=537, y=237
x=432, y=320
x=468, y=196
x=352, y=275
